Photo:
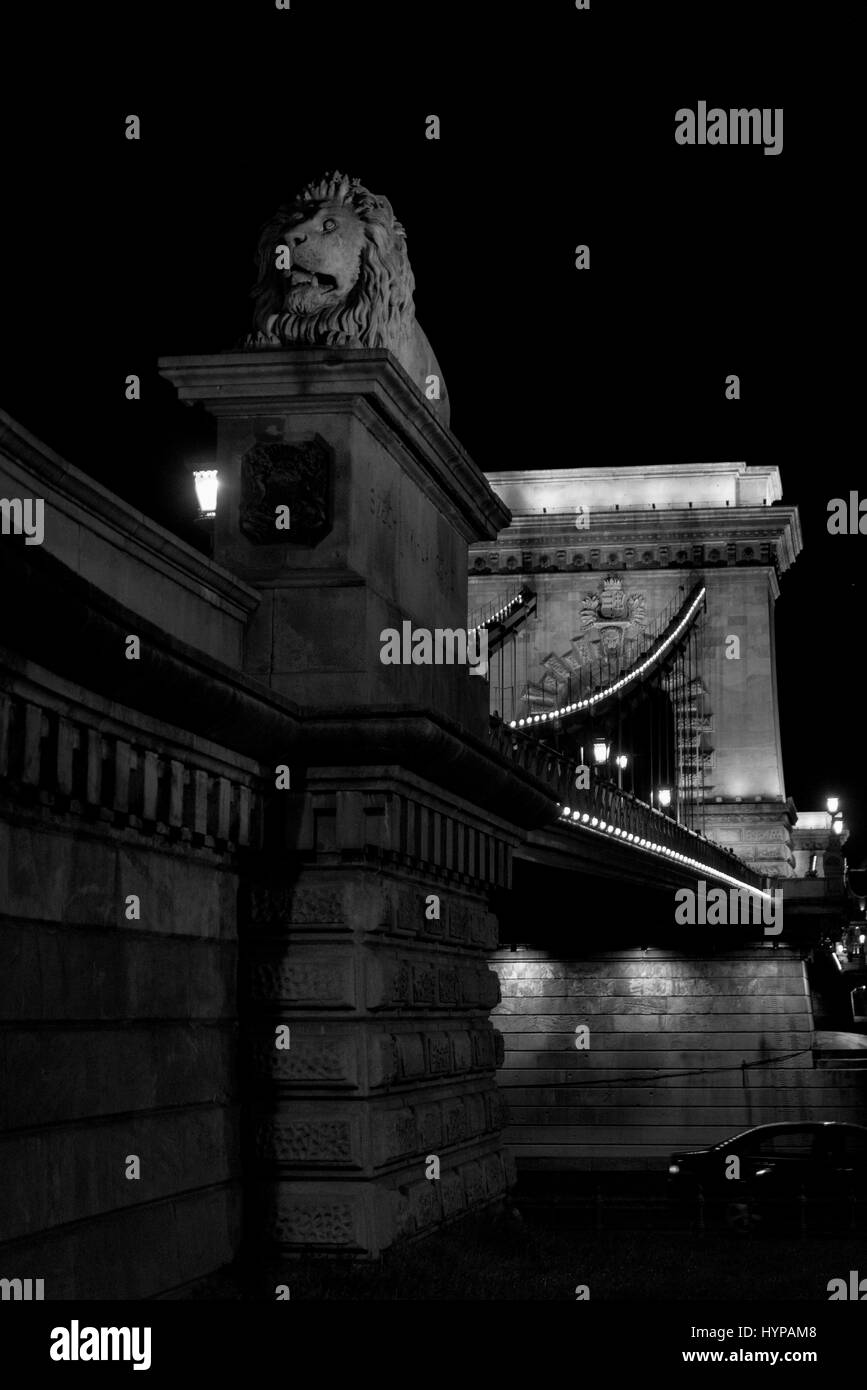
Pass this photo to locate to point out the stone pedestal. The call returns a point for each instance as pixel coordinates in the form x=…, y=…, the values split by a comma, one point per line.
x=383, y=505
x=367, y=928
x=759, y=833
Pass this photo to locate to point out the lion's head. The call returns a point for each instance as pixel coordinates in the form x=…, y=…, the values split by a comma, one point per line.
x=345, y=277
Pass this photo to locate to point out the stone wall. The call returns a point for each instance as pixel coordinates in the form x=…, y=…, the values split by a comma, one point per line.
x=118, y=1033
x=696, y=1014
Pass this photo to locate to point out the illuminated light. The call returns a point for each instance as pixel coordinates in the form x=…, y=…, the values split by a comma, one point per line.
x=600, y=750
x=593, y=821
x=520, y=723
x=576, y=815
x=610, y=829
x=833, y=804
x=584, y=818
x=837, y=827
x=862, y=938
x=512, y=723
x=206, y=484
x=622, y=760
x=664, y=796
x=566, y=811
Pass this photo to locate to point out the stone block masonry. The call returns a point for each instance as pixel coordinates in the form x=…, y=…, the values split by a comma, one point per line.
x=669, y=1034
x=118, y=1028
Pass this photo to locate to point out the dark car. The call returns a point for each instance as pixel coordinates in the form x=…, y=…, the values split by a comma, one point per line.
x=812, y=1172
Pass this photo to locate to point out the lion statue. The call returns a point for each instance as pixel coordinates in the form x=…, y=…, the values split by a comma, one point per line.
x=333, y=270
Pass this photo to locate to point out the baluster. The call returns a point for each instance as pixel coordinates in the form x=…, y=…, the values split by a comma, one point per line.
x=32, y=745
x=121, y=776
x=176, y=793
x=243, y=815
x=150, y=786
x=5, y=719
x=66, y=744
x=200, y=804
x=93, y=794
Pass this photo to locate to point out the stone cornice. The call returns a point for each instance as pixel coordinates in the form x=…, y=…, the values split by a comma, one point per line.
x=369, y=382
x=705, y=528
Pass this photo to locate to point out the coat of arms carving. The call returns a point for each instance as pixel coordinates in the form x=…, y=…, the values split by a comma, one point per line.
x=278, y=475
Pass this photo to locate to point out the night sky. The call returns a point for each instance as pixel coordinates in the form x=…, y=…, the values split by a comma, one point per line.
x=557, y=129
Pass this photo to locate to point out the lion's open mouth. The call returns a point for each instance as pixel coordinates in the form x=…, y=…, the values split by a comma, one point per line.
x=298, y=276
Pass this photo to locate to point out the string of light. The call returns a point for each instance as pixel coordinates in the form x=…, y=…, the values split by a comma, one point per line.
x=600, y=827
x=620, y=684
x=503, y=612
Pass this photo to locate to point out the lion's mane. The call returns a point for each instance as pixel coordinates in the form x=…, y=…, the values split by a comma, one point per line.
x=377, y=312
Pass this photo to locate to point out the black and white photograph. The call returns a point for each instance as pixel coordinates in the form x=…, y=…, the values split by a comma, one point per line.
x=433, y=841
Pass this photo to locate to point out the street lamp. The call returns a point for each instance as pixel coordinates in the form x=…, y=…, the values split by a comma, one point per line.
x=837, y=827
x=833, y=804
x=206, y=483
x=622, y=762
x=664, y=797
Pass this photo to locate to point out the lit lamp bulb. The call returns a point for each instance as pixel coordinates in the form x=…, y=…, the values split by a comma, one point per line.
x=206, y=491
x=600, y=750
x=833, y=804
x=622, y=760
x=664, y=796
x=837, y=827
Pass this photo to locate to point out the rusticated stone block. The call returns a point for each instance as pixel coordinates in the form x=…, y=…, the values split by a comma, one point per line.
x=314, y=1059
x=323, y=1221
x=307, y=1142
x=424, y=984
x=430, y=1130
x=448, y=987
x=410, y=1047
x=498, y=1109
x=385, y=1063
x=452, y=1194
x=302, y=980
x=296, y=905
x=439, y=1052
x=395, y=1135
x=489, y=988
x=424, y=1200
x=459, y=920
x=455, y=1123
x=483, y=1048
x=474, y=1183
x=388, y=982
x=462, y=1050
x=476, y=1113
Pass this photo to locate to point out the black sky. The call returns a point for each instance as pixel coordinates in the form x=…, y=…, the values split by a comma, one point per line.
x=557, y=128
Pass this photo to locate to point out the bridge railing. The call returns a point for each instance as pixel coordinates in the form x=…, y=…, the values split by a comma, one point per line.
x=605, y=808
x=500, y=610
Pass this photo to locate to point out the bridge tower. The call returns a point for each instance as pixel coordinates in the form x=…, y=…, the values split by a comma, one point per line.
x=610, y=553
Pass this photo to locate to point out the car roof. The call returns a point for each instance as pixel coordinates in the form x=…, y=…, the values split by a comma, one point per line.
x=788, y=1126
